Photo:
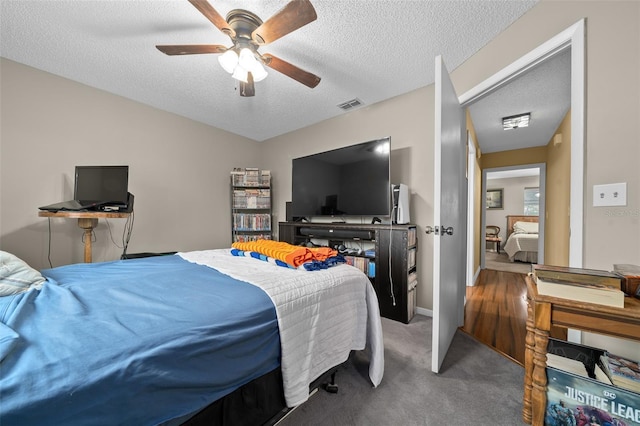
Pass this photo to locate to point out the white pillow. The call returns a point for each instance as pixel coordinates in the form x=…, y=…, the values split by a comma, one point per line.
x=525, y=228
x=16, y=276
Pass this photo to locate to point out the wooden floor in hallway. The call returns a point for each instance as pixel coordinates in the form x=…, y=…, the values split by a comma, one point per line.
x=496, y=312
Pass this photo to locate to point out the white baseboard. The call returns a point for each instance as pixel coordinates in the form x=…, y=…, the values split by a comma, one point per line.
x=425, y=312
x=476, y=275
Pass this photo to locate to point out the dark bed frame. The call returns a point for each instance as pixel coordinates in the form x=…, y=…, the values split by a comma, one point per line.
x=259, y=402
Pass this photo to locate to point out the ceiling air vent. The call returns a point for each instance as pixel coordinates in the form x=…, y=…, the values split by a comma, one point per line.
x=350, y=104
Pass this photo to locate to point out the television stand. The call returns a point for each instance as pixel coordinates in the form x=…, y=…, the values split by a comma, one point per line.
x=87, y=221
x=392, y=260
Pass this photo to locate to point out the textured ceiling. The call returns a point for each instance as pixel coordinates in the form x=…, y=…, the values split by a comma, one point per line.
x=370, y=50
x=544, y=91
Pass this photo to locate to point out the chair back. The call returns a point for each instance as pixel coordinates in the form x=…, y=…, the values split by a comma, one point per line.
x=492, y=230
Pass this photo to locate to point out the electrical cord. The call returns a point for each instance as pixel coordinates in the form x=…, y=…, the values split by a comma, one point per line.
x=393, y=296
x=93, y=237
x=126, y=237
x=111, y=234
x=126, y=234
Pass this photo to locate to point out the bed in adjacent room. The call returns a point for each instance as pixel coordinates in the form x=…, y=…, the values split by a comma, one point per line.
x=522, y=238
x=162, y=340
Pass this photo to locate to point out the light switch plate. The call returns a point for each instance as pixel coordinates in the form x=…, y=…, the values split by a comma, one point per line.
x=610, y=195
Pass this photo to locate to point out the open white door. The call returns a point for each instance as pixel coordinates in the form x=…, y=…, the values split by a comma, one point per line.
x=450, y=207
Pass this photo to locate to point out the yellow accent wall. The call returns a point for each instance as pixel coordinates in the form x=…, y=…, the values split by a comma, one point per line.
x=516, y=157
x=556, y=247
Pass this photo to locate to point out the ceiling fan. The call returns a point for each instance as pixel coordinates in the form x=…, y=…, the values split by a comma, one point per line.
x=248, y=33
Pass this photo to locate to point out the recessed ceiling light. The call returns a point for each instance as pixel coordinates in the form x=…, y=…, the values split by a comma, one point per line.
x=516, y=121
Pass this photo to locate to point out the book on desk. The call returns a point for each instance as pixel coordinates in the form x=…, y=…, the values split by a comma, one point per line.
x=631, y=274
x=622, y=372
x=581, y=285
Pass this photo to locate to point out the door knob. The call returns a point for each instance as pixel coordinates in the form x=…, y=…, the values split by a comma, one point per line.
x=448, y=231
x=431, y=229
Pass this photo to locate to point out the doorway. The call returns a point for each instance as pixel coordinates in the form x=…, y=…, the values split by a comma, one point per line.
x=572, y=39
x=515, y=183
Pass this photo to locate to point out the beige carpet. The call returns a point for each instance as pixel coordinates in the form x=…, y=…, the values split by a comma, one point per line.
x=500, y=262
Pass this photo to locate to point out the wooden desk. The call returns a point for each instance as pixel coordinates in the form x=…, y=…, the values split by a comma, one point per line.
x=544, y=312
x=86, y=221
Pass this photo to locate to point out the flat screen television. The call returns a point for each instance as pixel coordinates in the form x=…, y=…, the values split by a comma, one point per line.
x=105, y=184
x=349, y=181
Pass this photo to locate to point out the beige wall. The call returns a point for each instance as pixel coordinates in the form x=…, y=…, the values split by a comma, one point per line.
x=513, y=201
x=408, y=119
x=178, y=169
x=50, y=124
x=610, y=235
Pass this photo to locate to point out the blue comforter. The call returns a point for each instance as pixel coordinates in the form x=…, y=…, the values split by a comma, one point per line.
x=136, y=342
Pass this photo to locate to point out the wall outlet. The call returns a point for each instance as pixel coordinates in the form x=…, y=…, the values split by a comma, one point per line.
x=613, y=194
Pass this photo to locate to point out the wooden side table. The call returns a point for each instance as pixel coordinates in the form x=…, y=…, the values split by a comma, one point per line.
x=545, y=312
x=87, y=221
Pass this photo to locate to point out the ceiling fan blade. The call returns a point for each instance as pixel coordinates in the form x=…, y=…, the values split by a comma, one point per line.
x=192, y=49
x=294, y=15
x=298, y=74
x=247, y=89
x=212, y=15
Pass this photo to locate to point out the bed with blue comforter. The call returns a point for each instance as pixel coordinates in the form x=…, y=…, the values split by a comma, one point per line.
x=155, y=340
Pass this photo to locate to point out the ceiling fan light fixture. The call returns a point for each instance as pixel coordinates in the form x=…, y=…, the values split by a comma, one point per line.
x=516, y=121
x=228, y=60
x=248, y=32
x=240, y=74
x=259, y=73
x=248, y=61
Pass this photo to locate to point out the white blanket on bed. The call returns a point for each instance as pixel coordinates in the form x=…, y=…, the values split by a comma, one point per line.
x=322, y=316
x=521, y=242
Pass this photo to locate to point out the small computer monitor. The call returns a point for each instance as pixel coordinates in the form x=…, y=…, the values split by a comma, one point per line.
x=105, y=184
